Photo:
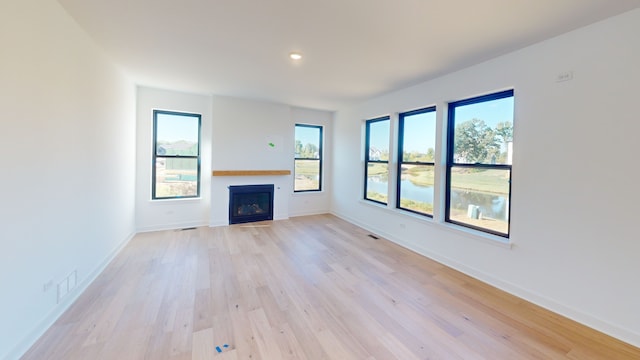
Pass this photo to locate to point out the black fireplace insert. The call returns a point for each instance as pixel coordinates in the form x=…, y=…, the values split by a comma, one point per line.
x=249, y=203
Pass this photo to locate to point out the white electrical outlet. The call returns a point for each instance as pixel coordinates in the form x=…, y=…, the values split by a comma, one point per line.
x=72, y=280
x=65, y=286
x=47, y=286
x=564, y=76
x=63, y=289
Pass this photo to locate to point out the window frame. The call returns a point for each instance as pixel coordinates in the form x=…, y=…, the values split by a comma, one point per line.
x=401, y=117
x=156, y=156
x=450, y=163
x=367, y=159
x=319, y=159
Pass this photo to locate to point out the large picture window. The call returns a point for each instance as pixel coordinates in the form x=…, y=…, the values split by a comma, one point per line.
x=308, y=158
x=480, y=145
x=416, y=160
x=176, y=155
x=377, y=159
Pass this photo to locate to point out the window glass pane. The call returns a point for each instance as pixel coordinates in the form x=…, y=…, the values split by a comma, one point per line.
x=416, y=188
x=176, y=177
x=480, y=197
x=379, y=140
x=176, y=134
x=484, y=132
x=377, y=178
x=419, y=137
x=307, y=175
x=307, y=142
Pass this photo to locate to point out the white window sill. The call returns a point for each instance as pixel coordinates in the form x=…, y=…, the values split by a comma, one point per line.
x=309, y=193
x=175, y=201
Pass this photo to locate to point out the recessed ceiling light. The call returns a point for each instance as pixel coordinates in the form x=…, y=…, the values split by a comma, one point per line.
x=295, y=56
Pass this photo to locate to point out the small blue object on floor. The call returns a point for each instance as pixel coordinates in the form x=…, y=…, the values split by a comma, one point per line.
x=219, y=349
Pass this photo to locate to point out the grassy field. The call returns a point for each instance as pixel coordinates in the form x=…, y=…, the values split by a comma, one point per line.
x=418, y=206
x=376, y=196
x=378, y=169
x=307, y=175
x=420, y=175
x=486, y=181
x=307, y=167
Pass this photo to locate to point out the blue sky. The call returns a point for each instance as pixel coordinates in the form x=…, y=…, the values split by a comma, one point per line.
x=420, y=132
x=174, y=128
x=379, y=135
x=420, y=129
x=307, y=135
x=491, y=112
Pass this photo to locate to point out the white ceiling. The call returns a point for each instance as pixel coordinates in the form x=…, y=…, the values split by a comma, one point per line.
x=353, y=49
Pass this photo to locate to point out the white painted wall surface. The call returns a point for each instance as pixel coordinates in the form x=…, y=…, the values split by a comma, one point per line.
x=242, y=132
x=154, y=215
x=236, y=134
x=574, y=191
x=67, y=136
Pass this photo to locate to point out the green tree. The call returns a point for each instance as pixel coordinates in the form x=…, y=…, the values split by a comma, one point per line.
x=431, y=155
x=416, y=156
x=309, y=151
x=504, y=131
x=476, y=142
x=298, y=148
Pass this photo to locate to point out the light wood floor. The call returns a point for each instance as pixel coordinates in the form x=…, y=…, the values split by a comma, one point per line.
x=307, y=288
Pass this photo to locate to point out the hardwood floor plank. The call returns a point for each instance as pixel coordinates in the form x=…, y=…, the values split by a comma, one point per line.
x=203, y=346
x=264, y=335
x=313, y=287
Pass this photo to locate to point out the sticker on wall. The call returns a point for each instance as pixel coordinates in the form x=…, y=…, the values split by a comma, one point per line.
x=273, y=143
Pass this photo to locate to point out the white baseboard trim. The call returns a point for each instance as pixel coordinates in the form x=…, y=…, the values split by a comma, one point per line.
x=309, y=213
x=219, y=223
x=66, y=302
x=603, y=326
x=171, y=226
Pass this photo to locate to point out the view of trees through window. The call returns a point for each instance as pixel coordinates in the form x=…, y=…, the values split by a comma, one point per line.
x=479, y=149
x=308, y=158
x=479, y=162
x=176, y=173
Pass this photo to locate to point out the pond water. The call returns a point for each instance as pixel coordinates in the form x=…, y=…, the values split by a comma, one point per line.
x=491, y=205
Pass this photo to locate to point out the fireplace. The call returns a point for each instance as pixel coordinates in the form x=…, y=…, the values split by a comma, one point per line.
x=249, y=203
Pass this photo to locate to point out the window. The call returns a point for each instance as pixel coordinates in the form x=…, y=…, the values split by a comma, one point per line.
x=308, y=158
x=377, y=159
x=176, y=155
x=480, y=143
x=416, y=156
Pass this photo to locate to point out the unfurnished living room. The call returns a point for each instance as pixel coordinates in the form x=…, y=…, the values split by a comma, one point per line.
x=293, y=179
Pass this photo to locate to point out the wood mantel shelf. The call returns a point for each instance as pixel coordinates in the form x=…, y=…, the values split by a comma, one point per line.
x=249, y=172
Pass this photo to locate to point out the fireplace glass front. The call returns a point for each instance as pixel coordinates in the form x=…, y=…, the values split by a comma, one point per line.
x=249, y=203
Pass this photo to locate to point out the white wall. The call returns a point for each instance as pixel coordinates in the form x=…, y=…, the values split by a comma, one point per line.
x=236, y=134
x=67, y=133
x=242, y=132
x=574, y=191
x=178, y=213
